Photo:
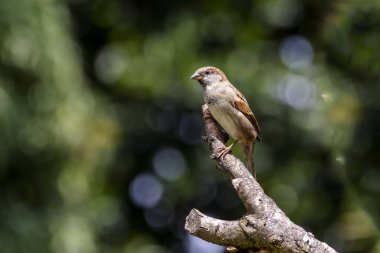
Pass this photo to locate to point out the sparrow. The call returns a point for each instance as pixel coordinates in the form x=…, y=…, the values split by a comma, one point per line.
x=231, y=110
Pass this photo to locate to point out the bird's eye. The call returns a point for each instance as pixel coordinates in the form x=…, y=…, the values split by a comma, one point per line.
x=207, y=72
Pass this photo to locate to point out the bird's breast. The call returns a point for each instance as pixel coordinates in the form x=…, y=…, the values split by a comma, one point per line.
x=233, y=121
x=220, y=100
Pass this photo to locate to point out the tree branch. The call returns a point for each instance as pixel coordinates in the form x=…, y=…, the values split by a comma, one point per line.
x=265, y=226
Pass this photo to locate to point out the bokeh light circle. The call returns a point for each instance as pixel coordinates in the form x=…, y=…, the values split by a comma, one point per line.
x=146, y=190
x=296, y=52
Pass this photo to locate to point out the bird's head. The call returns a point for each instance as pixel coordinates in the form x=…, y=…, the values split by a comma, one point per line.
x=208, y=75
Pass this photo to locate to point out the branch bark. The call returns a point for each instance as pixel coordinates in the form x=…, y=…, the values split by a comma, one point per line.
x=265, y=226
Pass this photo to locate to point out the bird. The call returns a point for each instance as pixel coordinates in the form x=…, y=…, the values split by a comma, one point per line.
x=230, y=109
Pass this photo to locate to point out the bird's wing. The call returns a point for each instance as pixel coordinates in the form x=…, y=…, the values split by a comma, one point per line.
x=242, y=105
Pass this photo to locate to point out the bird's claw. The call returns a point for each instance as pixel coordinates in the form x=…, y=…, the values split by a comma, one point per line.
x=223, y=151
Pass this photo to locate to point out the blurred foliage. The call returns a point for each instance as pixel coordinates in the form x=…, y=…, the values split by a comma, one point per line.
x=101, y=128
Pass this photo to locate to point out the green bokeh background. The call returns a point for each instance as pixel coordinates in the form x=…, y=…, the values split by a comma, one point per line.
x=93, y=92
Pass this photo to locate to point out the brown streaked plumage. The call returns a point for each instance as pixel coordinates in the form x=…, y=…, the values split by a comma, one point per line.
x=230, y=109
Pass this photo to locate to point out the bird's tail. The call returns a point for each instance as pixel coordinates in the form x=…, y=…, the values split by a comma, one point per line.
x=248, y=151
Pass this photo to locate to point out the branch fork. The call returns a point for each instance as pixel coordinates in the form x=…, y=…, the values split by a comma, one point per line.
x=264, y=227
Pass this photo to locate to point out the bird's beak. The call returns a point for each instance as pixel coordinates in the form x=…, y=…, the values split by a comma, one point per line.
x=196, y=76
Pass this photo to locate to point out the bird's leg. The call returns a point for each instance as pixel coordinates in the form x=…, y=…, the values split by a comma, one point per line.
x=226, y=150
